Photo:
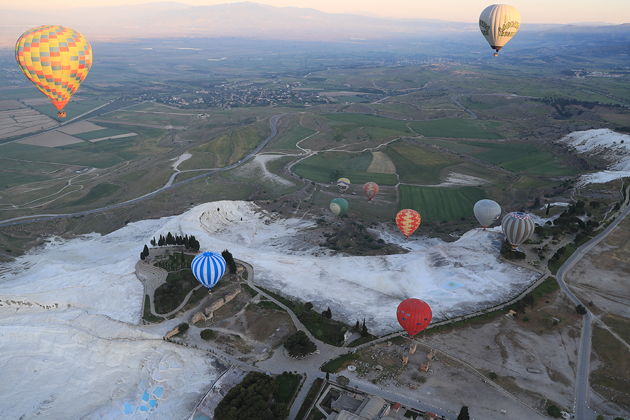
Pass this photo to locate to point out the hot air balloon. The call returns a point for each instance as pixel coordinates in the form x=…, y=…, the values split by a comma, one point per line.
x=408, y=221
x=414, y=315
x=499, y=23
x=487, y=212
x=208, y=268
x=370, y=189
x=517, y=227
x=56, y=59
x=339, y=206
x=343, y=184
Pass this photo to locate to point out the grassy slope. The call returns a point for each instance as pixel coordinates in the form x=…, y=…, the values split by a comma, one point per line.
x=287, y=140
x=517, y=157
x=417, y=165
x=458, y=128
x=96, y=193
x=228, y=148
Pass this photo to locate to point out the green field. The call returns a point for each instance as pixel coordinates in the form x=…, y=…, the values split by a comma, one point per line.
x=21, y=93
x=517, y=157
x=287, y=140
x=106, y=132
x=81, y=154
x=417, y=165
x=330, y=166
x=10, y=178
x=458, y=128
x=440, y=204
x=96, y=193
x=365, y=120
x=99, y=155
x=73, y=109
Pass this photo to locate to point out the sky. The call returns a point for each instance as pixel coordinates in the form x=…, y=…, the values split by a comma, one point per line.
x=534, y=11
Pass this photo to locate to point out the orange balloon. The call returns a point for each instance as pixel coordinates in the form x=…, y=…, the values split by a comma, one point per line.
x=370, y=189
x=408, y=221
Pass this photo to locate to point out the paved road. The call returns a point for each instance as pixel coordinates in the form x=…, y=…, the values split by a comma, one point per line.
x=40, y=217
x=581, y=409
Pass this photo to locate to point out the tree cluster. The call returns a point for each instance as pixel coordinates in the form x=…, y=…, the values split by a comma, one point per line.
x=253, y=398
x=299, y=345
x=189, y=242
x=145, y=252
x=362, y=328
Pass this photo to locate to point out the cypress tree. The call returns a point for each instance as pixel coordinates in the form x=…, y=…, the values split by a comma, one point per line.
x=463, y=414
x=145, y=251
x=227, y=256
x=327, y=313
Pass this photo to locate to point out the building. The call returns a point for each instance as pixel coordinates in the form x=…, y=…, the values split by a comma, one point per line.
x=370, y=408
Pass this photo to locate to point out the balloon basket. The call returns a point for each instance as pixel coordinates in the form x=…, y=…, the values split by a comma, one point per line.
x=61, y=114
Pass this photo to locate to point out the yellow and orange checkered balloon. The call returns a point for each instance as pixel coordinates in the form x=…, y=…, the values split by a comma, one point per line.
x=56, y=59
x=408, y=221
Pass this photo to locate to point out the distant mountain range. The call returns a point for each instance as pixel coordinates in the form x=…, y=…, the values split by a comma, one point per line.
x=246, y=20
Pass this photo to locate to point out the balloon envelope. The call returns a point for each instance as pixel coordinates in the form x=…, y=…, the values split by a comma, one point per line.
x=339, y=206
x=370, y=189
x=56, y=59
x=487, y=212
x=408, y=221
x=414, y=315
x=208, y=268
x=499, y=23
x=343, y=184
x=517, y=227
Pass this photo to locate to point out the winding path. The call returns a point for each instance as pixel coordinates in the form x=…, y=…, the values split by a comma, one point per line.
x=273, y=121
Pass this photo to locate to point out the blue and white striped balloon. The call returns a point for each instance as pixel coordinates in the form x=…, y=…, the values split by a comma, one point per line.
x=208, y=268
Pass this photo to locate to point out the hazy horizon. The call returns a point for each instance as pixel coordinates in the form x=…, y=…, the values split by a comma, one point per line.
x=110, y=21
x=533, y=11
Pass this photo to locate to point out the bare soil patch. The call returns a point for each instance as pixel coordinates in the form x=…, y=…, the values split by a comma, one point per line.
x=80, y=127
x=51, y=139
x=381, y=164
x=612, y=378
x=601, y=277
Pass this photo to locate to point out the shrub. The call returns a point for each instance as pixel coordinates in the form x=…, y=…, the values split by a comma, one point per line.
x=553, y=411
x=208, y=334
x=299, y=345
